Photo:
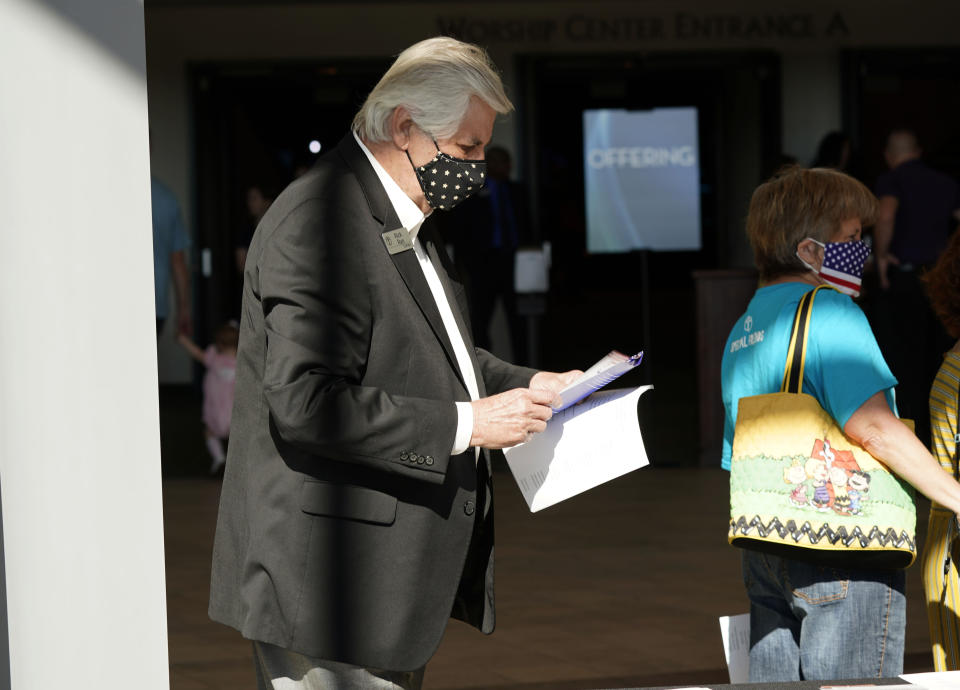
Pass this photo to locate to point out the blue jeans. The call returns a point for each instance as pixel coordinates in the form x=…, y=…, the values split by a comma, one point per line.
x=812, y=622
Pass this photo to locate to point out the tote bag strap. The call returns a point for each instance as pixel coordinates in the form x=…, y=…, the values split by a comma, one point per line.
x=952, y=554
x=956, y=441
x=797, y=350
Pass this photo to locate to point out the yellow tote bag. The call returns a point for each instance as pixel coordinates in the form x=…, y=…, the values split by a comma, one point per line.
x=800, y=488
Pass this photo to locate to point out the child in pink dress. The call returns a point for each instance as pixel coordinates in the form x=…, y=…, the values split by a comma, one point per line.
x=220, y=359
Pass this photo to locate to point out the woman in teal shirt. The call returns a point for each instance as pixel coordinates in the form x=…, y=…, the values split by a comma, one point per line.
x=808, y=621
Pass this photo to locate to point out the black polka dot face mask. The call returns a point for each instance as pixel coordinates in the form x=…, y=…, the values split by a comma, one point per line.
x=446, y=181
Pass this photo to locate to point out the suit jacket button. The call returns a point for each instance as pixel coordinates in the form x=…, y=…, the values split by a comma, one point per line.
x=469, y=507
x=404, y=455
x=421, y=459
x=429, y=459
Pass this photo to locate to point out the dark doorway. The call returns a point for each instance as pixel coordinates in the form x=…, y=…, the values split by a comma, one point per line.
x=917, y=89
x=253, y=126
x=599, y=302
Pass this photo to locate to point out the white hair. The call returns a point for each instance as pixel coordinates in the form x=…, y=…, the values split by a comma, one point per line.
x=434, y=80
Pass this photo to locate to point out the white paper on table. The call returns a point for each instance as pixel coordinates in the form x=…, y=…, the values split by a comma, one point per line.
x=934, y=681
x=582, y=447
x=841, y=685
x=873, y=686
x=735, y=631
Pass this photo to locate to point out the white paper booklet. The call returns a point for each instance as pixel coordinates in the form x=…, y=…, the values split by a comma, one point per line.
x=611, y=367
x=582, y=447
x=735, y=632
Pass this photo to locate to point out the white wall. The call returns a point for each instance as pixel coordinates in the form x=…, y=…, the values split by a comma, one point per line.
x=79, y=432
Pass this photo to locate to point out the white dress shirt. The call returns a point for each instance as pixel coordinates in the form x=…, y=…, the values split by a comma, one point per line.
x=411, y=218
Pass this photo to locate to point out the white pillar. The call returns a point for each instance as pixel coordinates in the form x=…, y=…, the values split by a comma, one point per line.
x=79, y=432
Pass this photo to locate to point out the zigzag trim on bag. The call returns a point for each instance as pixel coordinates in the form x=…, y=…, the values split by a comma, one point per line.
x=888, y=539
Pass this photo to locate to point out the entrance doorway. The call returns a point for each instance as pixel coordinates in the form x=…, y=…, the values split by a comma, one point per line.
x=641, y=300
x=254, y=126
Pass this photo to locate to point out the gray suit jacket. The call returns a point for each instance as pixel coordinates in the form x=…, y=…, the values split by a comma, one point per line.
x=346, y=529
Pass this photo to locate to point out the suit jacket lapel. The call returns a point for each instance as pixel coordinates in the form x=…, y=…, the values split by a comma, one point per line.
x=458, y=305
x=405, y=262
x=409, y=268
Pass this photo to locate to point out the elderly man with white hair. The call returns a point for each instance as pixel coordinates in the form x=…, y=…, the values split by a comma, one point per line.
x=356, y=514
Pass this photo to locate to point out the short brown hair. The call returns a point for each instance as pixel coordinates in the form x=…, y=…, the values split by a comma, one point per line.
x=943, y=286
x=797, y=203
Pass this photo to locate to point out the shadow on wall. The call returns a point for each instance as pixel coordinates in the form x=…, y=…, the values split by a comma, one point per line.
x=106, y=23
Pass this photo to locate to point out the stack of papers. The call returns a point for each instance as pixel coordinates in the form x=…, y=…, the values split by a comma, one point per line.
x=611, y=367
x=582, y=447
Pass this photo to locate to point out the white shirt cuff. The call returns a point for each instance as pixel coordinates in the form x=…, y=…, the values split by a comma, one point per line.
x=464, y=428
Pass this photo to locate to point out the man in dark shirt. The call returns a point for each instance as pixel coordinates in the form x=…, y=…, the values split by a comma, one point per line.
x=918, y=210
x=487, y=229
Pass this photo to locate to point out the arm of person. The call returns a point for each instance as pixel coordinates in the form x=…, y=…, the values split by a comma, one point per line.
x=846, y=372
x=883, y=236
x=500, y=376
x=890, y=441
x=506, y=419
x=191, y=347
x=554, y=381
x=240, y=257
x=181, y=287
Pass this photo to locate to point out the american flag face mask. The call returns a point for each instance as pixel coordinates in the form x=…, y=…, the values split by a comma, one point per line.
x=842, y=265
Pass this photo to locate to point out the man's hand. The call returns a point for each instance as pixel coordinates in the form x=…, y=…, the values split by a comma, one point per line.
x=553, y=381
x=504, y=420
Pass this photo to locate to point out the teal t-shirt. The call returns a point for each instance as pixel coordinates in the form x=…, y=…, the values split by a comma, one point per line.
x=844, y=366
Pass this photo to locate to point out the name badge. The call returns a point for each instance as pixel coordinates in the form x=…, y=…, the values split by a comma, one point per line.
x=397, y=240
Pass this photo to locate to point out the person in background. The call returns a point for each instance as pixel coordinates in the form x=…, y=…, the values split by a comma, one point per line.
x=833, y=152
x=257, y=202
x=941, y=576
x=919, y=208
x=220, y=360
x=808, y=621
x=486, y=230
x=170, y=244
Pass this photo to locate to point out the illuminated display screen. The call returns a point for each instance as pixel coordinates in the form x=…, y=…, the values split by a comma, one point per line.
x=642, y=180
